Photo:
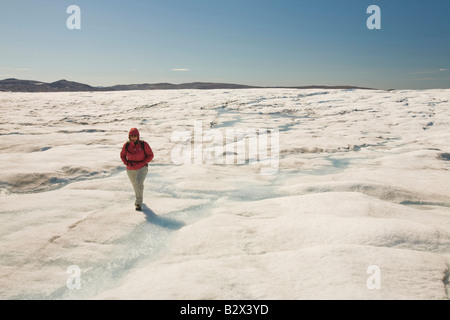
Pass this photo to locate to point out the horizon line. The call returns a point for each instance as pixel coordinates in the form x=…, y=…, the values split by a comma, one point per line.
x=237, y=85
x=343, y=86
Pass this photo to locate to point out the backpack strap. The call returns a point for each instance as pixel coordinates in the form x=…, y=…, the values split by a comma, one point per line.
x=142, y=146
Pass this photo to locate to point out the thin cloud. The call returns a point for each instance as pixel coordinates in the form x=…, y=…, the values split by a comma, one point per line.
x=435, y=71
x=18, y=69
x=180, y=69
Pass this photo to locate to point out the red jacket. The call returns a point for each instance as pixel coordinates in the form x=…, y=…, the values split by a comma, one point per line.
x=135, y=158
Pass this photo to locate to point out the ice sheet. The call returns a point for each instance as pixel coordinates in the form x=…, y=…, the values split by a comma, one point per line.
x=357, y=208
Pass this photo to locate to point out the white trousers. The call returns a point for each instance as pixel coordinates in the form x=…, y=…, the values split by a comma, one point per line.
x=137, y=178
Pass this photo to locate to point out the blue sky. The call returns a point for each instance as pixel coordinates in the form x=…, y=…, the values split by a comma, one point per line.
x=254, y=42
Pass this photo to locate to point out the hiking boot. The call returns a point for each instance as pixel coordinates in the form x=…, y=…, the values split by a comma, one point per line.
x=138, y=207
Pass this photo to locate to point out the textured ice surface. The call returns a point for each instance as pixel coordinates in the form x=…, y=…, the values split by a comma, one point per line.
x=361, y=184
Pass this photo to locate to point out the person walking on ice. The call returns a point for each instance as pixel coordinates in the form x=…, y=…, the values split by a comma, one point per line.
x=136, y=154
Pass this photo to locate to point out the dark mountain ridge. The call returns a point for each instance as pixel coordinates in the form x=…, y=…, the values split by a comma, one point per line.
x=16, y=85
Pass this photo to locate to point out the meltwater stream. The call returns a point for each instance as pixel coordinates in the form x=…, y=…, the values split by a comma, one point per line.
x=146, y=242
x=150, y=239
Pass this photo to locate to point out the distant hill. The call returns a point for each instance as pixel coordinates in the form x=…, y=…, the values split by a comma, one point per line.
x=16, y=85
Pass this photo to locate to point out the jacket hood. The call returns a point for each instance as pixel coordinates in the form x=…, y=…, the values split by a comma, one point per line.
x=134, y=132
